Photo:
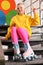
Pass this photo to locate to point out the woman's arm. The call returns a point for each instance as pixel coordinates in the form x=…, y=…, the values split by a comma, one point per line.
x=12, y=23
x=8, y=34
x=36, y=20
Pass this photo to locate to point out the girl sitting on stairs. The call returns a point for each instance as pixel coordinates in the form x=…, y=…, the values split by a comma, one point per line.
x=20, y=27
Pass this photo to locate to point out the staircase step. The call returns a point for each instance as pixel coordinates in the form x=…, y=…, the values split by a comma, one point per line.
x=34, y=62
x=32, y=41
x=34, y=35
x=1, y=55
x=2, y=33
x=37, y=50
x=22, y=49
x=3, y=27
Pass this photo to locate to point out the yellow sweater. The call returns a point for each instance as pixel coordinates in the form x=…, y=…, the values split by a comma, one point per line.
x=23, y=21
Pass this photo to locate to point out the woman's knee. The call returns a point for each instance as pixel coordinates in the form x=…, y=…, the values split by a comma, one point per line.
x=14, y=35
x=13, y=28
x=23, y=34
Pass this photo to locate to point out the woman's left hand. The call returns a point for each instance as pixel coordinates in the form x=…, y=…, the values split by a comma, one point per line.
x=34, y=9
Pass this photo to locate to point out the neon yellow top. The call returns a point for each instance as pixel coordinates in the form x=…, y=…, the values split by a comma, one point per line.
x=23, y=21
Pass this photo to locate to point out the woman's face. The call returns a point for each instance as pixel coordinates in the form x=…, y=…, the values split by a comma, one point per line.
x=20, y=9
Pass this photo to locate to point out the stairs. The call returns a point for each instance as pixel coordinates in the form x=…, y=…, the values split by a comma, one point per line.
x=35, y=62
x=36, y=43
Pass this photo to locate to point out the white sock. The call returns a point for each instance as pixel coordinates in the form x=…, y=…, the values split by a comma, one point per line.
x=17, y=51
x=29, y=48
x=16, y=48
x=28, y=52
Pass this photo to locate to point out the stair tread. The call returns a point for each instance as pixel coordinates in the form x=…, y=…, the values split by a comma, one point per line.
x=33, y=41
x=36, y=32
x=36, y=61
x=37, y=48
x=21, y=40
x=22, y=49
x=2, y=32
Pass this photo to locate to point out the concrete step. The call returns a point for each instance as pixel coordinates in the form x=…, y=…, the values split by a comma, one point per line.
x=37, y=50
x=2, y=60
x=3, y=32
x=32, y=42
x=34, y=34
x=34, y=62
x=3, y=27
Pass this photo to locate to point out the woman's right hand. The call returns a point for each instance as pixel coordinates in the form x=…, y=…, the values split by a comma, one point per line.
x=2, y=38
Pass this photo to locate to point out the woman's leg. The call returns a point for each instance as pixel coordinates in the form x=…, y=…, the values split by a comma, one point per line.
x=24, y=36
x=14, y=38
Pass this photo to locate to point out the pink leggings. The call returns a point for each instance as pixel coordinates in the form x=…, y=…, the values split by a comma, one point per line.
x=19, y=32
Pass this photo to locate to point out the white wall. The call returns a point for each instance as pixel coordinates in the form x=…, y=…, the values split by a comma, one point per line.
x=17, y=1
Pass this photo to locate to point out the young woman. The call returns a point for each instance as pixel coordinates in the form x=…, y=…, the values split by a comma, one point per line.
x=20, y=27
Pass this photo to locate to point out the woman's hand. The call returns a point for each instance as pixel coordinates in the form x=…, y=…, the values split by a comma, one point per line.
x=34, y=9
x=2, y=38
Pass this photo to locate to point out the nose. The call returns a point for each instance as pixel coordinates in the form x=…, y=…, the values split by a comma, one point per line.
x=19, y=9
